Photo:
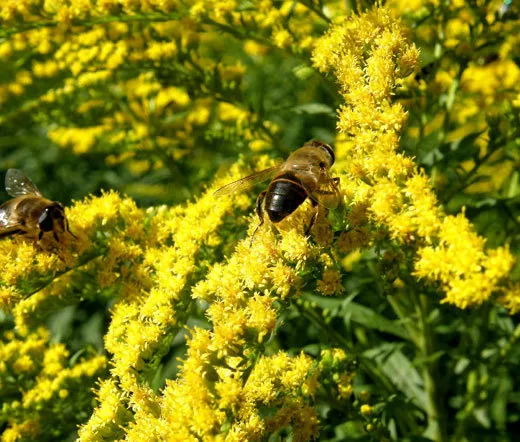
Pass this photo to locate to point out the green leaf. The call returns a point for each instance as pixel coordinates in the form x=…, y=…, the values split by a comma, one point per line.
x=417, y=439
x=482, y=416
x=370, y=319
x=429, y=152
x=303, y=72
x=326, y=302
x=513, y=189
x=401, y=370
x=314, y=109
x=464, y=147
x=360, y=314
x=499, y=404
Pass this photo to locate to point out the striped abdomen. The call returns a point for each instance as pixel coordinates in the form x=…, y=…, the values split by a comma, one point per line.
x=284, y=195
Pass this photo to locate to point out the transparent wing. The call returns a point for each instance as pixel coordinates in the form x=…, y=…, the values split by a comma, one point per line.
x=18, y=183
x=9, y=224
x=248, y=182
x=4, y=216
x=327, y=194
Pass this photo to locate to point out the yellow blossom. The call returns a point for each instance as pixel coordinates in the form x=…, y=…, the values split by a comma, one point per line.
x=366, y=410
x=330, y=284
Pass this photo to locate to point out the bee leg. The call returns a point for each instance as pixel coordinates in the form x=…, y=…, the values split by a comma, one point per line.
x=37, y=243
x=259, y=202
x=314, y=217
x=55, y=235
x=12, y=232
x=67, y=229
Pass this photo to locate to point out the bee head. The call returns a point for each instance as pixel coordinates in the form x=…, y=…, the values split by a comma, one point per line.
x=51, y=215
x=325, y=147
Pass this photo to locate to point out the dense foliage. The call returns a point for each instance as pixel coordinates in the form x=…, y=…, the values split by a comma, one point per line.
x=162, y=319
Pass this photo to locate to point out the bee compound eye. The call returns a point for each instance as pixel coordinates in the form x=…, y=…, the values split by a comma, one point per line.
x=45, y=221
x=56, y=213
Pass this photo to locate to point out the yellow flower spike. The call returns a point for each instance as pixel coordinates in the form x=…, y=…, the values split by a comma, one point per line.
x=29, y=429
x=285, y=280
x=106, y=417
x=330, y=284
x=43, y=377
x=396, y=196
x=282, y=38
x=45, y=389
x=16, y=258
x=55, y=359
x=261, y=315
x=230, y=392
x=510, y=298
x=9, y=296
x=298, y=372
x=139, y=326
x=295, y=247
x=230, y=328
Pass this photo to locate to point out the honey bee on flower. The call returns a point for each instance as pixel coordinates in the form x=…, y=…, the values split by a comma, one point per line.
x=29, y=214
x=305, y=174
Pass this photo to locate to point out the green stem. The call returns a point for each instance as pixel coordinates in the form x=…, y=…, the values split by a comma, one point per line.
x=317, y=10
x=84, y=260
x=238, y=34
x=405, y=421
x=404, y=317
x=466, y=180
x=317, y=320
x=471, y=396
x=95, y=21
x=434, y=405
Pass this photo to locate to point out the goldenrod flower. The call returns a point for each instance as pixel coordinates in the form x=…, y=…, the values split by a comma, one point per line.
x=399, y=198
x=152, y=87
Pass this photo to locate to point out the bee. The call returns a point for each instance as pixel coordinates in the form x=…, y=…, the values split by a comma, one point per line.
x=29, y=214
x=305, y=174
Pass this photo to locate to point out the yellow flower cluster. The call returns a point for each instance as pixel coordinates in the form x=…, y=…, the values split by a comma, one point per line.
x=110, y=415
x=267, y=16
x=32, y=273
x=337, y=369
x=161, y=264
x=370, y=57
x=468, y=273
x=94, y=53
x=190, y=409
x=222, y=383
x=155, y=285
x=115, y=250
x=286, y=25
x=36, y=382
x=474, y=66
x=142, y=112
x=67, y=13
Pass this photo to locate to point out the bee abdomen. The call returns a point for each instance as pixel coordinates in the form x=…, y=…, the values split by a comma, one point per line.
x=284, y=196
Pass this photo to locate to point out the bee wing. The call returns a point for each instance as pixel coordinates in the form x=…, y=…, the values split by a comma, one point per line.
x=327, y=194
x=17, y=183
x=9, y=224
x=247, y=182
